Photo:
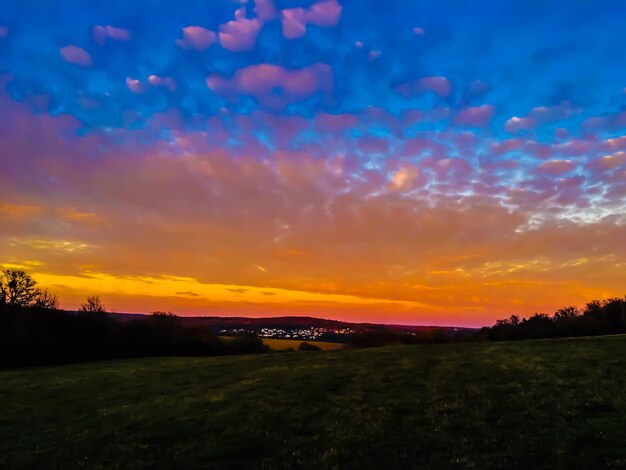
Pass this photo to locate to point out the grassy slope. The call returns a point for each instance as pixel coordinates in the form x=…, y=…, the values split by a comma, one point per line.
x=526, y=404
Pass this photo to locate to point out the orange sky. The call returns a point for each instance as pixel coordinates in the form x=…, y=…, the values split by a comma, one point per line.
x=197, y=231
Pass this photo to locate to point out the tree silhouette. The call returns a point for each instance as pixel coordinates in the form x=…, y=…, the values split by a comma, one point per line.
x=93, y=305
x=45, y=300
x=566, y=312
x=17, y=288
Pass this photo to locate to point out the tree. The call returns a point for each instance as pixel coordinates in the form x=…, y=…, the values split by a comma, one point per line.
x=93, y=305
x=304, y=346
x=45, y=300
x=566, y=312
x=17, y=288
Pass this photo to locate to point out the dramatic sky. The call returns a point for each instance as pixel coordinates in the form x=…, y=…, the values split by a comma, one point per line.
x=405, y=161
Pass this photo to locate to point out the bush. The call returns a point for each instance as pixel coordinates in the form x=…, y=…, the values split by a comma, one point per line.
x=304, y=346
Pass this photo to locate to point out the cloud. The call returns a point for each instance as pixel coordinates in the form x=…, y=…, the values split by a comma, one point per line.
x=557, y=167
x=102, y=33
x=541, y=115
x=476, y=116
x=516, y=124
x=275, y=86
x=404, y=178
x=76, y=55
x=237, y=290
x=608, y=162
x=240, y=34
x=265, y=10
x=196, y=37
x=311, y=165
x=153, y=81
x=441, y=86
x=325, y=14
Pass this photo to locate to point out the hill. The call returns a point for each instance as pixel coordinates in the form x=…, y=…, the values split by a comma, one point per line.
x=534, y=404
x=292, y=322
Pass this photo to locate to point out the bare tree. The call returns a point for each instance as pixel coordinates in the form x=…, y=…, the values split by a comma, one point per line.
x=45, y=300
x=17, y=288
x=93, y=305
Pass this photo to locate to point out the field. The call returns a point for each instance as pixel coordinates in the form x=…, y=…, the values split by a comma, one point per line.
x=284, y=344
x=532, y=404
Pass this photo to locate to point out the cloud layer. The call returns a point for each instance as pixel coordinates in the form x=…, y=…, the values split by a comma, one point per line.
x=325, y=157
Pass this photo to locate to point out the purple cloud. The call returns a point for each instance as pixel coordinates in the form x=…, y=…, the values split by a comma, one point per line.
x=196, y=37
x=76, y=55
x=240, y=34
x=102, y=33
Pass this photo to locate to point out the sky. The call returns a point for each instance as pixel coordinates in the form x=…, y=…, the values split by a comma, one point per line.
x=399, y=161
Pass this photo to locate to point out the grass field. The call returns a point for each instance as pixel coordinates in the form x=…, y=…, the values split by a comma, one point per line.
x=284, y=344
x=533, y=404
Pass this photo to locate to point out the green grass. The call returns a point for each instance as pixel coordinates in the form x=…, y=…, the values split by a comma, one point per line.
x=533, y=404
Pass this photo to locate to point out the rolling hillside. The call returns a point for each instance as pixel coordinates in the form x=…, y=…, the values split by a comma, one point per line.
x=539, y=404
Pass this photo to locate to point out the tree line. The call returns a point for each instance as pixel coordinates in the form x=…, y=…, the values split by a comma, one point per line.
x=33, y=331
x=598, y=317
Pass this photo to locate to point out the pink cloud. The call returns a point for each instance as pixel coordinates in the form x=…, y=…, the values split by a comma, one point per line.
x=371, y=145
x=419, y=146
x=576, y=147
x=275, y=86
x=139, y=87
x=557, y=167
x=476, y=116
x=325, y=14
x=135, y=85
x=539, y=150
x=406, y=178
x=240, y=34
x=419, y=31
x=167, y=82
x=294, y=23
x=265, y=10
x=506, y=146
x=559, y=112
x=102, y=33
x=4, y=31
x=411, y=117
x=516, y=124
x=541, y=115
x=439, y=85
x=561, y=133
x=608, y=162
x=76, y=55
x=335, y=122
x=196, y=37
x=616, y=143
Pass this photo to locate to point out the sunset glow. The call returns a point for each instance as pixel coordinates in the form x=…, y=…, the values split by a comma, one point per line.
x=409, y=162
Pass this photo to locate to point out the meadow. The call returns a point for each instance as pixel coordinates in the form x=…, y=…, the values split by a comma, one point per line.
x=285, y=344
x=528, y=404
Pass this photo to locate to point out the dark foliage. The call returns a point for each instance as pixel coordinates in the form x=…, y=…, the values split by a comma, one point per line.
x=604, y=317
x=39, y=336
x=382, y=336
x=304, y=346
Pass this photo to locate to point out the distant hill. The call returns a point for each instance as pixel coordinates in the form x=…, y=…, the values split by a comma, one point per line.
x=291, y=322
